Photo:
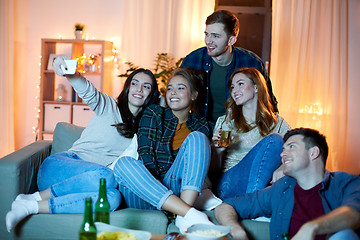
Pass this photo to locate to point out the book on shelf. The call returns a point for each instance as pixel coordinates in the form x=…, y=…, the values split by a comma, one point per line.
x=75, y=97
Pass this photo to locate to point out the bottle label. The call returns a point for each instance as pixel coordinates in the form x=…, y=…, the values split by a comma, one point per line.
x=224, y=140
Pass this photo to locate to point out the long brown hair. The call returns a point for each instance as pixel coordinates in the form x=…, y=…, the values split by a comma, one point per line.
x=265, y=114
x=130, y=123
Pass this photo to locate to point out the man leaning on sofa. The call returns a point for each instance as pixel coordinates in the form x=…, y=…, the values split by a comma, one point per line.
x=308, y=202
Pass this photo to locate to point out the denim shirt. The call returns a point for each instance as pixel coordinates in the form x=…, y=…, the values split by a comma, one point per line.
x=277, y=201
x=156, y=131
x=200, y=60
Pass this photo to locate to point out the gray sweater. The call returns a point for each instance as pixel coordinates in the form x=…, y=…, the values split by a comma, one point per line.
x=100, y=142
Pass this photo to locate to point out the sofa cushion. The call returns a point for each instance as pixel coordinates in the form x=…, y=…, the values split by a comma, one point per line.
x=65, y=134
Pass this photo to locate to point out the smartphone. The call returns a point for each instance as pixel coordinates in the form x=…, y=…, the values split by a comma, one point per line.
x=71, y=67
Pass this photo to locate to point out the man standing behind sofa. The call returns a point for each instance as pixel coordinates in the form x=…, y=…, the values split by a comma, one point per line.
x=219, y=59
x=308, y=203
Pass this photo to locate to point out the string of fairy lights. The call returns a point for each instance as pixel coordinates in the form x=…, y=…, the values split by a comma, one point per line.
x=36, y=128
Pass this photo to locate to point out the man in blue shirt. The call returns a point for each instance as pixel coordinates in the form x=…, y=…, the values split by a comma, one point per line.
x=219, y=59
x=308, y=202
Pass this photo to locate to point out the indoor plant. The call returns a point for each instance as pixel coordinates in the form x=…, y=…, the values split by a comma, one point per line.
x=164, y=67
x=79, y=31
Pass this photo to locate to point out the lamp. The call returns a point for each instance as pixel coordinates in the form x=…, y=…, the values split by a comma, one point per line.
x=60, y=93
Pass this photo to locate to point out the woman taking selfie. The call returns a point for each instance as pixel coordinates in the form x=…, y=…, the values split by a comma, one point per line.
x=66, y=179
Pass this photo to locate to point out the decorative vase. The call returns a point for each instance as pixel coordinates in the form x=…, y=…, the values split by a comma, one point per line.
x=79, y=34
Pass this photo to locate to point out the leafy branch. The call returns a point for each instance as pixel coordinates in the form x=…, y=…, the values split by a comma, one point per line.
x=165, y=65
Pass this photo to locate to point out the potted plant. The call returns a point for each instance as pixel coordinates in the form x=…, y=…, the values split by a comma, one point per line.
x=79, y=34
x=165, y=65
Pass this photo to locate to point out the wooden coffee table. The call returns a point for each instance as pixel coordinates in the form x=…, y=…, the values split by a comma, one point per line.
x=161, y=236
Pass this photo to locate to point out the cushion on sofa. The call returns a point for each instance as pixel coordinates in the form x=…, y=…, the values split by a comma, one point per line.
x=65, y=134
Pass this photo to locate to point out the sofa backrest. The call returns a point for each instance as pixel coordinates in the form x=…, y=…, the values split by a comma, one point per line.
x=65, y=134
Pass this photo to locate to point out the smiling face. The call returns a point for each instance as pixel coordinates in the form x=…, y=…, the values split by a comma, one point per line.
x=216, y=39
x=178, y=94
x=295, y=157
x=139, y=91
x=243, y=90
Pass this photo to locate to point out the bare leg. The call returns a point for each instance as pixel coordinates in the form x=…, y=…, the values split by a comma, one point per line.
x=36, y=196
x=189, y=196
x=43, y=206
x=45, y=195
x=176, y=205
x=186, y=215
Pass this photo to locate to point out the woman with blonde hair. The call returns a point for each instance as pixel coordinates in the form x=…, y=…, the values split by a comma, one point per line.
x=253, y=154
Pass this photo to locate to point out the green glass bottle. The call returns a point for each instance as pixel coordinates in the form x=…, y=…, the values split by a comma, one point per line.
x=102, y=206
x=285, y=236
x=88, y=230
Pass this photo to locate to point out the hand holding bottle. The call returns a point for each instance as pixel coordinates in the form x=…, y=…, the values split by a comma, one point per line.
x=222, y=136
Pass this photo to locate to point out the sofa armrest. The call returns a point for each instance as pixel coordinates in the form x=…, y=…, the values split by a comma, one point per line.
x=18, y=174
x=21, y=167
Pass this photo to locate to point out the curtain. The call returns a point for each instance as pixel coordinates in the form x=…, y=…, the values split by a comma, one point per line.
x=309, y=67
x=6, y=77
x=170, y=26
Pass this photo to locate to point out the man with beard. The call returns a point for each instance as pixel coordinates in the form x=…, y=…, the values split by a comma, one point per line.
x=309, y=202
x=219, y=59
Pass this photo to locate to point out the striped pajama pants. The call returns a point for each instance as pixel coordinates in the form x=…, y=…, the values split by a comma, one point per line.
x=142, y=190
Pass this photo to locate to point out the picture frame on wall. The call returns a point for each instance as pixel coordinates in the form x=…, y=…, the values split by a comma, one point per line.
x=52, y=57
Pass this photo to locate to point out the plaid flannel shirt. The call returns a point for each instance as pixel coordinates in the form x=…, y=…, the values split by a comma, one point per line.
x=200, y=60
x=156, y=130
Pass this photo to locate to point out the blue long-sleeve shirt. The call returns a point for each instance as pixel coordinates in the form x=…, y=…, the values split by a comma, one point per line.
x=277, y=201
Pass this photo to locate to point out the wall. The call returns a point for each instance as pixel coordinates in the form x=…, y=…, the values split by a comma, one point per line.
x=38, y=19
x=126, y=23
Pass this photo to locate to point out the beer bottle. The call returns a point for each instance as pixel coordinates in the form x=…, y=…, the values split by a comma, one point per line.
x=88, y=229
x=225, y=133
x=102, y=206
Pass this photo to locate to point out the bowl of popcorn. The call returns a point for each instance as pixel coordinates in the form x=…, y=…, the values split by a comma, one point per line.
x=207, y=232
